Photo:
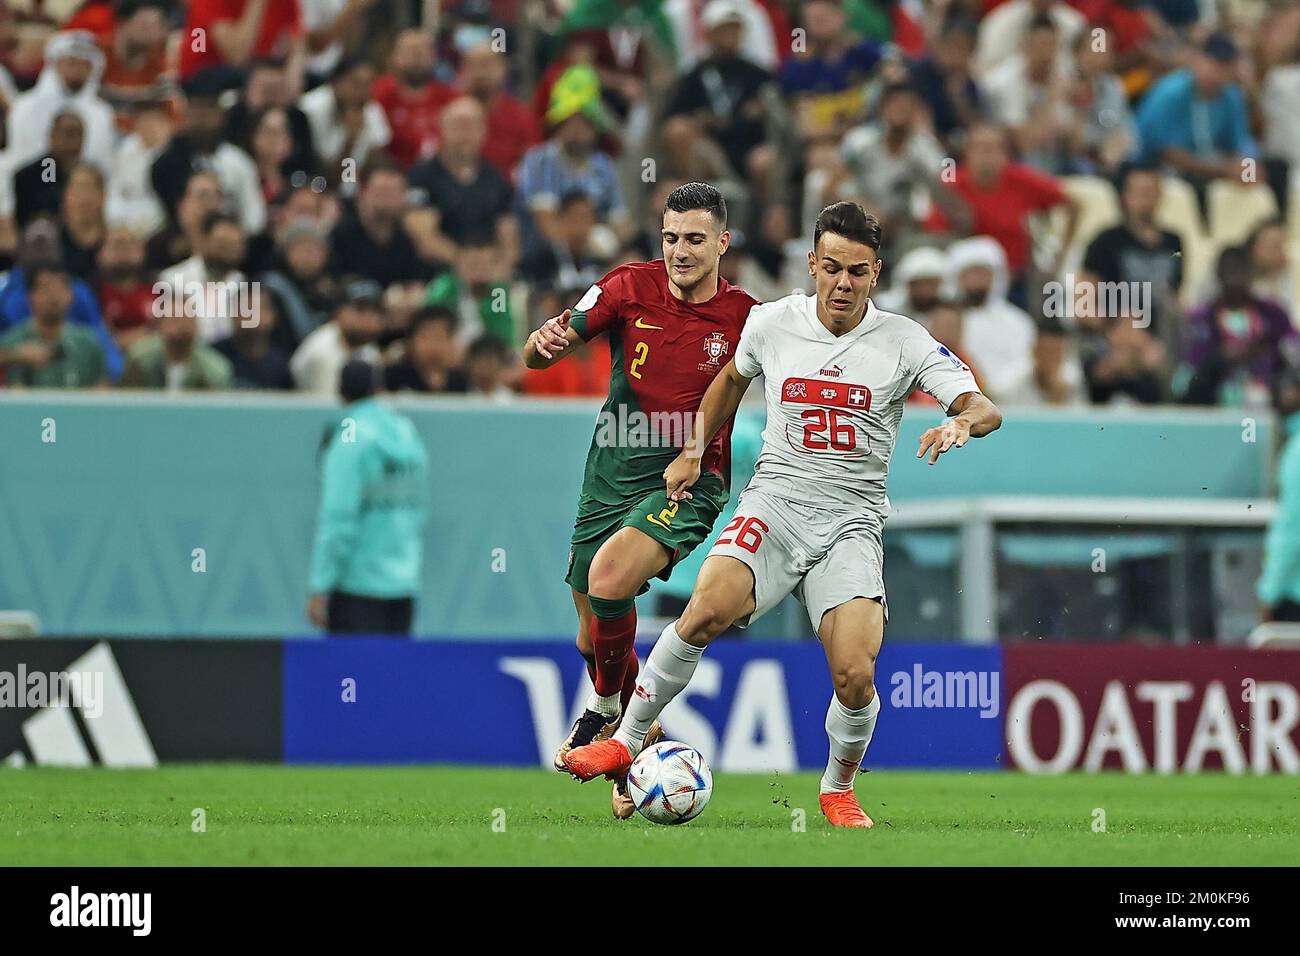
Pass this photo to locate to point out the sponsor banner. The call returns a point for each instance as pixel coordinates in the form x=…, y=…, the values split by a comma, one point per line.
x=750, y=707
x=1164, y=709
x=135, y=703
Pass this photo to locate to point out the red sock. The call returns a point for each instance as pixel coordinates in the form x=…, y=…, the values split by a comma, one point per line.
x=629, y=679
x=612, y=641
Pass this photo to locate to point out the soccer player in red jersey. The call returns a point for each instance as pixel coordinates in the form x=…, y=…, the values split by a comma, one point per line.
x=672, y=326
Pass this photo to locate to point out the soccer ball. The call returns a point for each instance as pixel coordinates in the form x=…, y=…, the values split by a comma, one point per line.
x=670, y=782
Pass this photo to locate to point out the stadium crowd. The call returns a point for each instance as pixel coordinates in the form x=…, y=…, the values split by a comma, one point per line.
x=1086, y=200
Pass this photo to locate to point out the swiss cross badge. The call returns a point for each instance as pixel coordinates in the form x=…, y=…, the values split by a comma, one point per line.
x=857, y=396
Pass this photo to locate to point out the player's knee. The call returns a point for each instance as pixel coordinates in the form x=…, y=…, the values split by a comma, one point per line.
x=855, y=684
x=611, y=583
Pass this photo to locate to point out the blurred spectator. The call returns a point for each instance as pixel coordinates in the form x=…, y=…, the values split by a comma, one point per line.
x=42, y=246
x=1101, y=133
x=174, y=359
x=568, y=161
x=346, y=123
x=199, y=145
x=370, y=239
x=1123, y=362
x=182, y=238
x=1028, y=92
x=69, y=81
x=916, y=286
x=209, y=282
x=1195, y=120
x=571, y=260
x=333, y=28
x=411, y=98
x=1057, y=377
x=1279, y=104
x=38, y=186
x=829, y=79
x=131, y=197
x=82, y=217
x=763, y=38
x=1003, y=31
x=488, y=368
x=267, y=87
x=431, y=360
x=1274, y=276
x=350, y=334
x=1002, y=193
x=776, y=262
x=136, y=73
x=126, y=293
x=302, y=281
x=255, y=360
x=463, y=196
x=237, y=32
x=366, y=561
x=272, y=153
x=511, y=126
x=894, y=161
x=49, y=351
x=998, y=336
x=1236, y=344
x=478, y=292
x=945, y=80
x=724, y=93
x=1139, y=253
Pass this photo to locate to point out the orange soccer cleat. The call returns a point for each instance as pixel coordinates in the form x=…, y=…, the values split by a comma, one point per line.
x=605, y=758
x=842, y=810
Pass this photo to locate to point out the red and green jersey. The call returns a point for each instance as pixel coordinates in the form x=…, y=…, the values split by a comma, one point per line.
x=664, y=353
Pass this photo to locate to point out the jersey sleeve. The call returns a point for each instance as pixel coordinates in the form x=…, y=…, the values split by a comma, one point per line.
x=939, y=372
x=753, y=344
x=599, y=308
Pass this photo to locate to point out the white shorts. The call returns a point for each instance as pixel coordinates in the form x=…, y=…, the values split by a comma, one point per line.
x=826, y=557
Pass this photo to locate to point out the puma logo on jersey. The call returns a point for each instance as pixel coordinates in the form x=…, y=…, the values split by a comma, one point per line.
x=640, y=324
x=835, y=371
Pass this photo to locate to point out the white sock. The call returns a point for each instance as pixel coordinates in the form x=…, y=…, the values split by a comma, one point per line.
x=850, y=732
x=665, y=674
x=605, y=706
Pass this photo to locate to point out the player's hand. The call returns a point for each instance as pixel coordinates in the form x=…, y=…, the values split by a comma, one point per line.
x=681, y=473
x=553, y=336
x=318, y=611
x=951, y=434
x=35, y=354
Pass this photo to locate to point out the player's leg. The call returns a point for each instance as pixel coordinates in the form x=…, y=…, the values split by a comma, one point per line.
x=851, y=635
x=844, y=594
x=723, y=594
x=618, y=573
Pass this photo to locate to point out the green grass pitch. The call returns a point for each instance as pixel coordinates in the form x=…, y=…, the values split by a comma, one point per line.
x=445, y=815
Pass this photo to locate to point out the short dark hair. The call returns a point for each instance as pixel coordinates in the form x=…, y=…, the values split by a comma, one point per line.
x=849, y=220
x=901, y=88
x=357, y=380
x=346, y=65
x=433, y=313
x=1133, y=167
x=698, y=196
x=216, y=218
x=38, y=269
x=1041, y=21
x=487, y=345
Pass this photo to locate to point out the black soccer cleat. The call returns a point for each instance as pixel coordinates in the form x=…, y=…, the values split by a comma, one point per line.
x=587, y=729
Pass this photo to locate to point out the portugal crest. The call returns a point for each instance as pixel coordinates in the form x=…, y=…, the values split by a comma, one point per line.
x=716, y=346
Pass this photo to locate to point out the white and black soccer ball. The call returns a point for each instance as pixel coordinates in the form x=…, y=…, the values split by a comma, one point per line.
x=670, y=782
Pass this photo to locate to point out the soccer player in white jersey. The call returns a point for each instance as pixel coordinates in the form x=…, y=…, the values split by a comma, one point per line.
x=837, y=372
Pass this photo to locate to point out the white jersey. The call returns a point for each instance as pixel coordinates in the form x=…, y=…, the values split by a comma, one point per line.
x=834, y=403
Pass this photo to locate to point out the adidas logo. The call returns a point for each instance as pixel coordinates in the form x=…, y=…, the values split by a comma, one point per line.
x=81, y=722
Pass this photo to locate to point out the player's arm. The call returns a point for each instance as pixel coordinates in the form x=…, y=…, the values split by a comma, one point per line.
x=973, y=416
x=550, y=343
x=719, y=403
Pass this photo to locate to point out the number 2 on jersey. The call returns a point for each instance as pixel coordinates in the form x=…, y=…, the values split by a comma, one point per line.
x=843, y=436
x=642, y=353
